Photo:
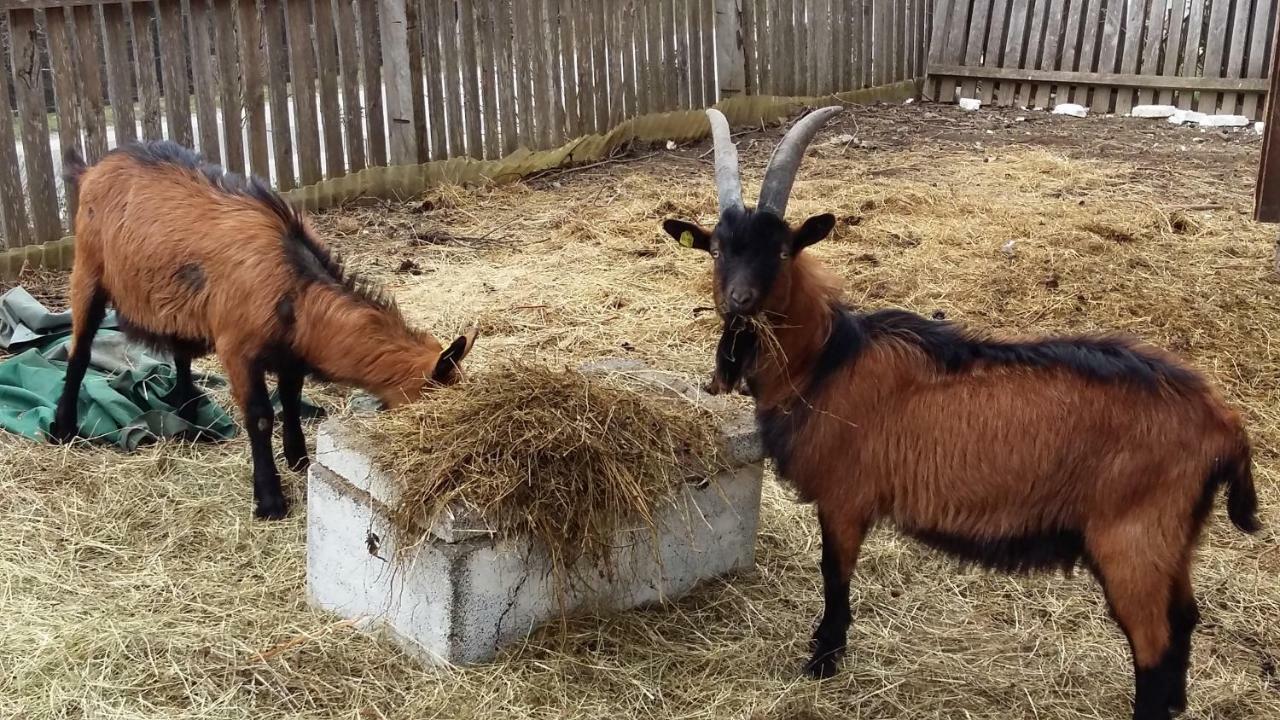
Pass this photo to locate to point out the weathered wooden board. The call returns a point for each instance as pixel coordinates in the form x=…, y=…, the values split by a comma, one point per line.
x=374, y=111
x=349, y=68
x=277, y=55
x=302, y=65
x=119, y=72
x=173, y=65
x=330, y=101
x=93, y=116
x=203, y=83
x=144, y=51
x=29, y=91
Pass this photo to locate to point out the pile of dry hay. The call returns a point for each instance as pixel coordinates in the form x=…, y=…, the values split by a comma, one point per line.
x=560, y=456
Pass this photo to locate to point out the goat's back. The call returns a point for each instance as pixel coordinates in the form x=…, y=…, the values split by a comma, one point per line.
x=179, y=252
x=1002, y=451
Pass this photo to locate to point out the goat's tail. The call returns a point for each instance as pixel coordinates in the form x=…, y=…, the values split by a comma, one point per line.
x=1235, y=472
x=73, y=167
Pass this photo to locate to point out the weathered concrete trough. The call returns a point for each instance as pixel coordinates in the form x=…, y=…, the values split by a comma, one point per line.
x=457, y=592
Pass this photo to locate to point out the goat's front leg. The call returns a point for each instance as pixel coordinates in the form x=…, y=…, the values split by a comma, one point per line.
x=841, y=541
x=249, y=386
x=295, y=442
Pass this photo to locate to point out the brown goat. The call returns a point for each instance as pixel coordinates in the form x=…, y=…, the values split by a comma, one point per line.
x=194, y=260
x=1015, y=455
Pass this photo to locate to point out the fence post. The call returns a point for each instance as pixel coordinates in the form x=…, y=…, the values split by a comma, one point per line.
x=402, y=144
x=731, y=62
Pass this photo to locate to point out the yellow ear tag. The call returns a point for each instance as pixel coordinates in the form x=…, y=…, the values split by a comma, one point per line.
x=686, y=239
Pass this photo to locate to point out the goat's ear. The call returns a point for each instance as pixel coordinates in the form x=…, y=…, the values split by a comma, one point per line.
x=450, y=361
x=813, y=230
x=690, y=235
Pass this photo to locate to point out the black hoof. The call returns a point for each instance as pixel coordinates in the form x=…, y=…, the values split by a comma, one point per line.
x=272, y=509
x=823, y=665
x=61, y=434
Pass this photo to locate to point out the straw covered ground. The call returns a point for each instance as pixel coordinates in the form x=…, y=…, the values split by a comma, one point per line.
x=137, y=585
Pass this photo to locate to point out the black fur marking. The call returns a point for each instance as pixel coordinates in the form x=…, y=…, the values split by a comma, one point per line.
x=843, y=345
x=1104, y=359
x=285, y=312
x=736, y=351
x=778, y=429
x=1051, y=550
x=164, y=343
x=191, y=275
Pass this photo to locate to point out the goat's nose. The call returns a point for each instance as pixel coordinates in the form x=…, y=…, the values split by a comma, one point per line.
x=742, y=296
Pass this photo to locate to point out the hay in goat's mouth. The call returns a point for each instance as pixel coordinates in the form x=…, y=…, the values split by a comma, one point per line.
x=559, y=456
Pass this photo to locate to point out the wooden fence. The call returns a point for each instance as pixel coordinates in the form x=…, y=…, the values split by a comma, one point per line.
x=1108, y=55
x=301, y=90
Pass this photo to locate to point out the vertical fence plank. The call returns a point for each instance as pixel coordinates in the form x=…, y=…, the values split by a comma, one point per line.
x=628, y=18
x=1087, y=60
x=1071, y=47
x=330, y=105
x=551, y=42
x=617, y=94
x=820, y=54
x=900, y=40
x=670, y=62
x=471, y=79
x=858, y=33
x=680, y=10
x=653, y=54
x=424, y=49
x=1108, y=52
x=523, y=75
x=800, y=34
x=349, y=67
x=1129, y=57
x=28, y=85
x=953, y=48
x=1151, y=47
x=541, y=94
x=419, y=31
x=177, y=96
x=253, y=110
x=402, y=141
x=1050, y=54
x=13, y=210
x=697, y=97
x=1237, y=44
x=1031, y=51
x=746, y=25
x=61, y=61
x=941, y=10
x=1215, y=46
x=504, y=44
x=707, y=28
x=203, y=81
x=1190, y=65
x=974, y=47
x=868, y=41
x=1172, y=47
x=374, y=109
x=303, y=81
x=992, y=46
x=88, y=56
x=273, y=27
x=565, y=15
x=839, y=46
x=1260, y=34
x=488, y=85
x=599, y=64
x=229, y=98
x=119, y=72
x=144, y=51
x=730, y=63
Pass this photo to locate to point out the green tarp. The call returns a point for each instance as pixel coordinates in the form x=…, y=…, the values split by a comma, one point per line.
x=123, y=398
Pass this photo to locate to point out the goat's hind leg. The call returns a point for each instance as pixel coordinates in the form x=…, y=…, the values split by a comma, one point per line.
x=88, y=308
x=1184, y=615
x=841, y=542
x=294, y=440
x=1140, y=595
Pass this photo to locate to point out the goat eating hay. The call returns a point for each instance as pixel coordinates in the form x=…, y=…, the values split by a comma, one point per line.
x=560, y=457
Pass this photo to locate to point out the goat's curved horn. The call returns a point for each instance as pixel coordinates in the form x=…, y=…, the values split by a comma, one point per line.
x=728, y=184
x=785, y=162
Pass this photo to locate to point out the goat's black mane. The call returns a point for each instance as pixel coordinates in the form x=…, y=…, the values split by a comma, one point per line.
x=1103, y=358
x=309, y=258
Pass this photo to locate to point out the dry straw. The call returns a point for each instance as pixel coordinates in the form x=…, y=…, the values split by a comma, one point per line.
x=560, y=456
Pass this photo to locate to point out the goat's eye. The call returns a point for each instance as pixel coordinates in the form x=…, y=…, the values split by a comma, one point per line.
x=715, y=252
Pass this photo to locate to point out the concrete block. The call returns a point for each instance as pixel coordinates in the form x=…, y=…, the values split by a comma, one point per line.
x=970, y=103
x=456, y=591
x=1071, y=109
x=1153, y=111
x=1182, y=117
x=1224, y=121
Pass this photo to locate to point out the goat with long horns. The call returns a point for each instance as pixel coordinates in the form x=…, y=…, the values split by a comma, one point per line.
x=1014, y=454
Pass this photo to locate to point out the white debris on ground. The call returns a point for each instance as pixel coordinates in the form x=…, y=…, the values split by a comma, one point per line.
x=1071, y=109
x=1183, y=117
x=1224, y=121
x=1259, y=127
x=970, y=103
x=1153, y=111
x=1008, y=247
